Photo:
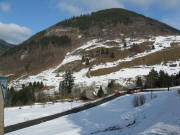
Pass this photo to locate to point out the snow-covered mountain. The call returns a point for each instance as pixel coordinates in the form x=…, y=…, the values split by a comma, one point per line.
x=135, y=59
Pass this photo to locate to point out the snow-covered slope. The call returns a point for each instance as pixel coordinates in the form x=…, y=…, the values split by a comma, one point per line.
x=158, y=116
x=124, y=76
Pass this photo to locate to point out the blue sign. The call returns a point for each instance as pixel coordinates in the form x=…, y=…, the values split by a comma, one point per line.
x=4, y=86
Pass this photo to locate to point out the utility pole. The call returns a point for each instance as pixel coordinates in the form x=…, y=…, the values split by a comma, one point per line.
x=3, y=89
x=1, y=114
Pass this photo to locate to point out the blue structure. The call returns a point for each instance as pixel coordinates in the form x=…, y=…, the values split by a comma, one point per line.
x=4, y=86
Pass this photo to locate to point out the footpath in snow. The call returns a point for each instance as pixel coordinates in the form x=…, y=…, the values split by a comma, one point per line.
x=158, y=116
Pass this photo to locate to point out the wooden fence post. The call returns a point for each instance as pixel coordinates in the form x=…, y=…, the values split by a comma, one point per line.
x=1, y=113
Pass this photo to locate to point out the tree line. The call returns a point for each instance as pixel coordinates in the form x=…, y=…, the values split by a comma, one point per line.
x=100, y=18
x=25, y=96
x=158, y=80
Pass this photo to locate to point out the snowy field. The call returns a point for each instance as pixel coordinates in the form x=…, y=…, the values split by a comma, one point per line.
x=14, y=115
x=158, y=116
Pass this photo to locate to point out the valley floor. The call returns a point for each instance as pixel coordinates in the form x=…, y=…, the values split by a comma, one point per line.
x=14, y=115
x=158, y=116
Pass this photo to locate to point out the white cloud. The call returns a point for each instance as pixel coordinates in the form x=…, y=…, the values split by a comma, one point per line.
x=101, y=4
x=5, y=7
x=14, y=33
x=77, y=7
x=71, y=9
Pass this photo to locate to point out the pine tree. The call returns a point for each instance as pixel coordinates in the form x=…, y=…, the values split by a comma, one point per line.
x=153, y=47
x=125, y=44
x=112, y=55
x=23, y=86
x=67, y=84
x=30, y=84
x=100, y=92
x=41, y=85
x=87, y=61
x=83, y=59
x=139, y=82
x=163, y=79
x=107, y=51
x=152, y=79
x=102, y=51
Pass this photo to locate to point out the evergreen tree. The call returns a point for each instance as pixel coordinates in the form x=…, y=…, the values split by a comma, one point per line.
x=83, y=59
x=102, y=51
x=163, y=79
x=34, y=84
x=68, y=82
x=87, y=61
x=125, y=44
x=100, y=92
x=107, y=51
x=41, y=85
x=112, y=55
x=152, y=79
x=139, y=82
x=153, y=47
x=30, y=84
x=23, y=86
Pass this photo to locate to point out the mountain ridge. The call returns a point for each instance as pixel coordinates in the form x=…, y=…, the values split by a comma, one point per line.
x=4, y=45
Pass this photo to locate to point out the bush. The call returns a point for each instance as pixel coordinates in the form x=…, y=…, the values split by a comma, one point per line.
x=139, y=100
x=142, y=99
x=178, y=92
x=136, y=101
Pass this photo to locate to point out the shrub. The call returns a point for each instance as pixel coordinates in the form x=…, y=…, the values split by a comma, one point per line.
x=139, y=100
x=142, y=99
x=178, y=92
x=135, y=101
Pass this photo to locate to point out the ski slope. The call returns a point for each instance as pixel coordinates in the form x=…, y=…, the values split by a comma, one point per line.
x=158, y=116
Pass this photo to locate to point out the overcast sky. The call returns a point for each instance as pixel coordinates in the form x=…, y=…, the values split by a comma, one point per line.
x=20, y=19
